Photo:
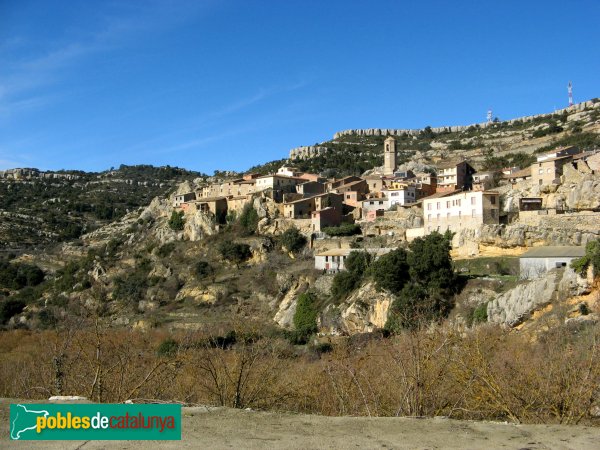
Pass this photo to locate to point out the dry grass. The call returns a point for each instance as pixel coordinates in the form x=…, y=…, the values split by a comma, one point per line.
x=487, y=374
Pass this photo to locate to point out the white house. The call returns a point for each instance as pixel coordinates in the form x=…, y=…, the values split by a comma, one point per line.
x=458, y=211
x=281, y=182
x=375, y=204
x=333, y=260
x=537, y=261
x=400, y=196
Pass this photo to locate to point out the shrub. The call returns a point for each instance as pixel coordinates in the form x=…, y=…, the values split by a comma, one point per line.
x=293, y=240
x=347, y=229
x=249, y=219
x=344, y=283
x=166, y=249
x=19, y=275
x=480, y=314
x=591, y=257
x=10, y=308
x=235, y=252
x=168, y=347
x=131, y=288
x=203, y=270
x=176, y=221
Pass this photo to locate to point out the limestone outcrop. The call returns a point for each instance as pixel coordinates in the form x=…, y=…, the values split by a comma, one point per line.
x=363, y=311
x=577, y=108
x=515, y=306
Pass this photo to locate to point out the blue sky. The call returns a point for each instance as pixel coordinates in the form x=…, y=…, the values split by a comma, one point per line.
x=224, y=84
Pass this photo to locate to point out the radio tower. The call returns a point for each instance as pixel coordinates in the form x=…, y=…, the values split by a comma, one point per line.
x=489, y=116
x=570, y=90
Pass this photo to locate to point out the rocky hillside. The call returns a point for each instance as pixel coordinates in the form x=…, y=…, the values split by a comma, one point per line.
x=40, y=208
x=486, y=145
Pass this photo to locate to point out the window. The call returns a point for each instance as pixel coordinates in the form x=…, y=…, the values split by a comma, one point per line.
x=327, y=259
x=428, y=216
x=459, y=214
x=547, y=170
x=473, y=200
x=438, y=216
x=438, y=205
x=458, y=202
x=493, y=200
x=448, y=216
x=541, y=171
x=494, y=213
x=560, y=264
x=473, y=213
x=428, y=206
x=447, y=204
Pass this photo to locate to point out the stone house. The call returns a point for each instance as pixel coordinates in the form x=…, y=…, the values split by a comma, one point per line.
x=454, y=175
x=326, y=217
x=331, y=184
x=216, y=206
x=375, y=204
x=519, y=175
x=374, y=183
x=462, y=210
x=539, y=260
x=287, y=171
x=548, y=171
x=282, y=183
x=309, y=188
x=237, y=203
x=302, y=209
x=183, y=198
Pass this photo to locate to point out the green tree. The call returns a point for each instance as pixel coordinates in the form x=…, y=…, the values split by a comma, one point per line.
x=428, y=294
x=292, y=240
x=430, y=263
x=591, y=257
x=203, y=270
x=9, y=308
x=176, y=221
x=305, y=317
x=390, y=271
x=357, y=264
x=249, y=219
x=235, y=252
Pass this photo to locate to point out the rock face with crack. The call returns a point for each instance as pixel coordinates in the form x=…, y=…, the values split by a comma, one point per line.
x=363, y=311
x=515, y=306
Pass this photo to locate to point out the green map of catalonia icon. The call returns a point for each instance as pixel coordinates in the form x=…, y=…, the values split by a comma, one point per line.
x=25, y=419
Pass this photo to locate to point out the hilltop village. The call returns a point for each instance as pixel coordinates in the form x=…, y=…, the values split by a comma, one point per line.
x=450, y=196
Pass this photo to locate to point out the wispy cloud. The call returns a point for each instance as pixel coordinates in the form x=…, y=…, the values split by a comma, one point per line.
x=218, y=118
x=21, y=78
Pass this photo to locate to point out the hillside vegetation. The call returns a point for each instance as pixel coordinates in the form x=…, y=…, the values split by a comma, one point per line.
x=39, y=210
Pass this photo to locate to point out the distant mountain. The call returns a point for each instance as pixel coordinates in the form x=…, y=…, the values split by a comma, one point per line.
x=38, y=208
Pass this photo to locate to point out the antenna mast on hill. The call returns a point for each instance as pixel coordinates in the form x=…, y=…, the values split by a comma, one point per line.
x=570, y=90
x=489, y=116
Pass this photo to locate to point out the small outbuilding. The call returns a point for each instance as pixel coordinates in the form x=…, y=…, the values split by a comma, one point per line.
x=537, y=261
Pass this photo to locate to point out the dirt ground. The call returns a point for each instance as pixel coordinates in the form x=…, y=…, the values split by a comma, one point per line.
x=217, y=428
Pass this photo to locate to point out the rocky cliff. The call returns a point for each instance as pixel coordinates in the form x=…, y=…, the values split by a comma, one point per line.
x=517, y=305
x=577, y=108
